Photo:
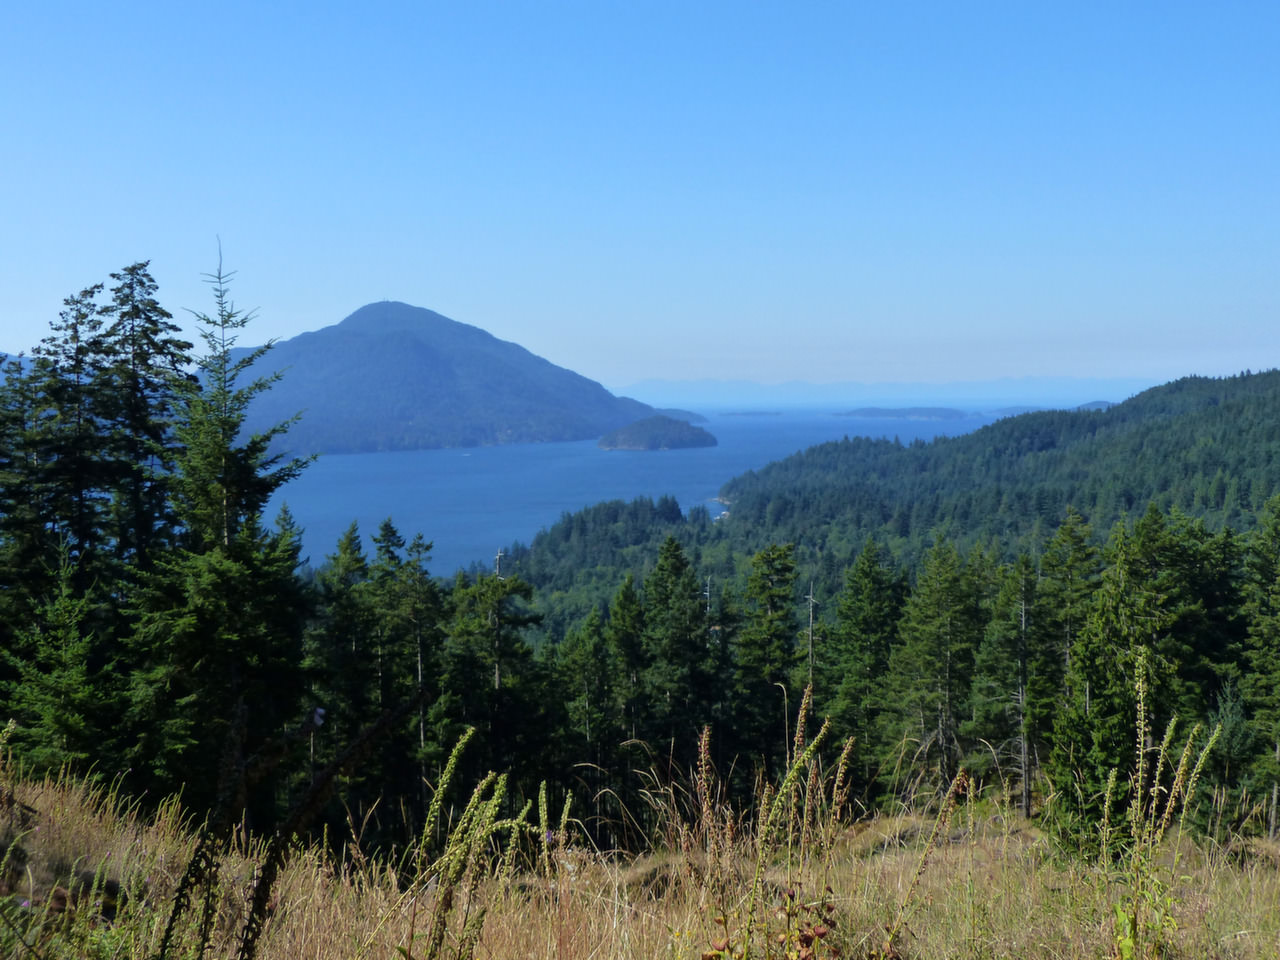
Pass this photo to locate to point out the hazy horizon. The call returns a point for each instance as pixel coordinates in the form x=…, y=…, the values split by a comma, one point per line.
x=972, y=395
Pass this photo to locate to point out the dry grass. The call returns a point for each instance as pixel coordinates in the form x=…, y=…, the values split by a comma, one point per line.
x=86, y=876
x=991, y=887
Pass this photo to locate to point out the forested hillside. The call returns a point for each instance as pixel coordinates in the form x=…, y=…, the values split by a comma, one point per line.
x=992, y=603
x=397, y=377
x=1208, y=447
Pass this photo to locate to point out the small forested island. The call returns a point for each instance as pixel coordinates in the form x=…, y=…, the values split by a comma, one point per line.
x=657, y=433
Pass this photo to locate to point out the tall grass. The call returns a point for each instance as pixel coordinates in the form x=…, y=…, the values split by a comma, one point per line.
x=792, y=876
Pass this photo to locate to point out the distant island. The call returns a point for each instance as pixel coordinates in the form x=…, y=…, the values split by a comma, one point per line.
x=657, y=433
x=397, y=377
x=905, y=413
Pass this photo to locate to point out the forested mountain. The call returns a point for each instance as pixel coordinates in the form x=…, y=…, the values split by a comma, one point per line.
x=396, y=377
x=1209, y=447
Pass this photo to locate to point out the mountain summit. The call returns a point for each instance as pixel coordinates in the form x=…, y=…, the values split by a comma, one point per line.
x=397, y=377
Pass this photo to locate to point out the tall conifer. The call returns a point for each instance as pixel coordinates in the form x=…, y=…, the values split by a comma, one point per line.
x=219, y=619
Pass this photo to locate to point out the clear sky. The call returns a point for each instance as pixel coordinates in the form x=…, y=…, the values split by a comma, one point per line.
x=768, y=191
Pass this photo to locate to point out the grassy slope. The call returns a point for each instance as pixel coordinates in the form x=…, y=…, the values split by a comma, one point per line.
x=989, y=887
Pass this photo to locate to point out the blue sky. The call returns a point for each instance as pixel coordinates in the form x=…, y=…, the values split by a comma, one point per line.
x=825, y=192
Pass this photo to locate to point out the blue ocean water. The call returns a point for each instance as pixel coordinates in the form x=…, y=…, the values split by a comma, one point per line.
x=471, y=502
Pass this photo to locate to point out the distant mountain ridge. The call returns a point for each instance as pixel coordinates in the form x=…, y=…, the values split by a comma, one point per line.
x=1021, y=393
x=392, y=376
x=905, y=413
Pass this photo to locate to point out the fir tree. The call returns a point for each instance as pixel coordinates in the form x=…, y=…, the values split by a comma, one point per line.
x=220, y=618
x=70, y=365
x=1093, y=732
x=927, y=688
x=856, y=651
x=1261, y=682
x=1069, y=570
x=675, y=652
x=624, y=633
x=339, y=659
x=59, y=699
x=766, y=655
x=28, y=541
x=145, y=372
x=489, y=677
x=1013, y=652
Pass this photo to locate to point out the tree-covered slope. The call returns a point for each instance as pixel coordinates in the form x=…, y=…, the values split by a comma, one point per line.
x=396, y=377
x=1208, y=447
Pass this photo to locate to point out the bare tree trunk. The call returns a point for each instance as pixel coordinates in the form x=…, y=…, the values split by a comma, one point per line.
x=1275, y=796
x=1026, y=772
x=1022, y=709
x=422, y=737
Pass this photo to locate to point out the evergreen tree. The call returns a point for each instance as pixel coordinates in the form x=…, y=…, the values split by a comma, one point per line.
x=223, y=479
x=339, y=659
x=1069, y=570
x=926, y=691
x=374, y=644
x=726, y=619
x=218, y=642
x=1014, y=651
x=407, y=614
x=675, y=653
x=856, y=651
x=1196, y=575
x=422, y=611
x=590, y=676
x=489, y=678
x=53, y=474
x=766, y=655
x=28, y=541
x=218, y=636
x=58, y=700
x=1261, y=682
x=69, y=367
x=392, y=654
x=624, y=633
x=145, y=380
x=1093, y=733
